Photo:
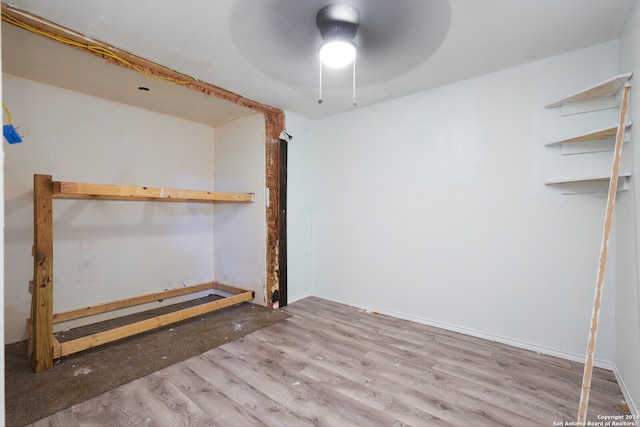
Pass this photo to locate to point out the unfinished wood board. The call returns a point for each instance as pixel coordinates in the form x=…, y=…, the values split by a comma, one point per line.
x=142, y=299
x=40, y=340
x=100, y=338
x=75, y=190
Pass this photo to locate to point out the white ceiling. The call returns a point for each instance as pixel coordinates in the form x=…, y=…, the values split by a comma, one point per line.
x=196, y=38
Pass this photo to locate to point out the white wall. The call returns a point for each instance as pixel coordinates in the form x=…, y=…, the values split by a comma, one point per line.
x=433, y=208
x=2, y=416
x=299, y=209
x=240, y=230
x=628, y=283
x=104, y=250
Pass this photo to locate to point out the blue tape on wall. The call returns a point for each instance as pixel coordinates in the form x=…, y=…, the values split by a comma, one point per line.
x=11, y=135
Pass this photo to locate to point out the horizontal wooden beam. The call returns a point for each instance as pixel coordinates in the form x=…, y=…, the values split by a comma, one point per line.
x=75, y=190
x=142, y=299
x=22, y=18
x=100, y=338
x=227, y=288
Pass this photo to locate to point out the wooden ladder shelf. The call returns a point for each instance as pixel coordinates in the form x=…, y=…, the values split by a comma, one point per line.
x=43, y=347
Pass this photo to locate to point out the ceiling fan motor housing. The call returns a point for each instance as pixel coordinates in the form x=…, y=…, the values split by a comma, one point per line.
x=338, y=21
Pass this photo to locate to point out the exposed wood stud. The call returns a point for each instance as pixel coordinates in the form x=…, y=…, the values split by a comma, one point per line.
x=42, y=297
x=275, y=125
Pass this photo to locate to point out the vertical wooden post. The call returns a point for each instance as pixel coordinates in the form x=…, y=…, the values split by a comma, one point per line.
x=274, y=122
x=41, y=340
x=593, y=329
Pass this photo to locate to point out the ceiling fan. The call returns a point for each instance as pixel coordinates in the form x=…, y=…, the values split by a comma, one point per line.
x=286, y=39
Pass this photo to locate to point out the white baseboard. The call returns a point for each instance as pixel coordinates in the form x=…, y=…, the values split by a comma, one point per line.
x=605, y=364
x=292, y=299
x=626, y=393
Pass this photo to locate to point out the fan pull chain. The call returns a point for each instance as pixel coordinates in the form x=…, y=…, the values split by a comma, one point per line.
x=320, y=84
x=354, y=82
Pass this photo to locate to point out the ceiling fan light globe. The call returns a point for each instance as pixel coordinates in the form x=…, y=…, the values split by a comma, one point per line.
x=337, y=54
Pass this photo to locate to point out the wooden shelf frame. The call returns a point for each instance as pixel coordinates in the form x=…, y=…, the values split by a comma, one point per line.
x=43, y=347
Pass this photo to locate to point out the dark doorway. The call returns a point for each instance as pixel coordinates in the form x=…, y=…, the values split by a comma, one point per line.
x=282, y=222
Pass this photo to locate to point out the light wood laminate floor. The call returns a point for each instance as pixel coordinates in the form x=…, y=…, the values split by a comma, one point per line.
x=333, y=365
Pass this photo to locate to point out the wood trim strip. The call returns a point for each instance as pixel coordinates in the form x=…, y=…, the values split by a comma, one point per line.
x=604, y=250
x=130, y=302
x=74, y=190
x=100, y=338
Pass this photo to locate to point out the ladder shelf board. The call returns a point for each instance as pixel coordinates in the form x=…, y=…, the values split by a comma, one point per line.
x=586, y=179
x=74, y=190
x=601, y=134
x=590, y=185
x=607, y=88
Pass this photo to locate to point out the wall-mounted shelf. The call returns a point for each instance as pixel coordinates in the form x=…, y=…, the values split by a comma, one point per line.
x=599, y=97
x=584, y=185
x=592, y=142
